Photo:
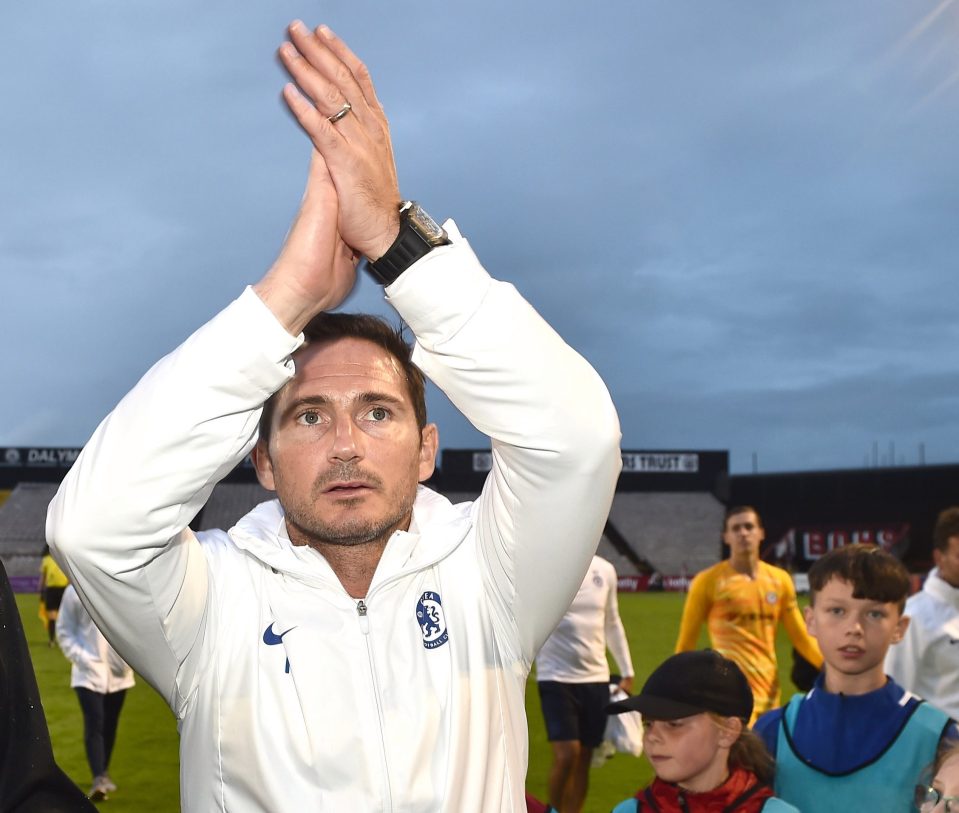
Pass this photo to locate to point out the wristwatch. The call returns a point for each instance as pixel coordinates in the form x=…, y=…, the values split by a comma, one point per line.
x=419, y=235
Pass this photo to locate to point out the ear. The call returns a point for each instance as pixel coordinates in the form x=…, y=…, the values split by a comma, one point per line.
x=429, y=443
x=729, y=731
x=810, y=616
x=901, y=626
x=263, y=465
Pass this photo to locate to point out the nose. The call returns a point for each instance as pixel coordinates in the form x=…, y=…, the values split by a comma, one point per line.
x=651, y=730
x=345, y=443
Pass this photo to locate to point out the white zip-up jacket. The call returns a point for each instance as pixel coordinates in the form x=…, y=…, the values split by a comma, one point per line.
x=926, y=660
x=96, y=664
x=290, y=694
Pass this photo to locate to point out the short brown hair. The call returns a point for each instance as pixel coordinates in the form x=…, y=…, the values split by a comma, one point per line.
x=330, y=327
x=873, y=574
x=947, y=526
x=741, y=509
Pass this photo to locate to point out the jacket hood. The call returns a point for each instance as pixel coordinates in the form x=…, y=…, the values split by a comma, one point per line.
x=437, y=528
x=940, y=589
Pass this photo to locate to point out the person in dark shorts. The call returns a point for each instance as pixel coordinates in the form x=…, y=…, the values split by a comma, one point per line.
x=574, y=711
x=574, y=682
x=53, y=582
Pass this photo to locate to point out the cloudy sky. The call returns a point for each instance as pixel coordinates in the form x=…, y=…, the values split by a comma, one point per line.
x=743, y=213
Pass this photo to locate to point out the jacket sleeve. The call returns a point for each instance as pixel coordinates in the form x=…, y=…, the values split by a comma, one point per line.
x=695, y=610
x=119, y=522
x=554, y=431
x=68, y=629
x=616, y=640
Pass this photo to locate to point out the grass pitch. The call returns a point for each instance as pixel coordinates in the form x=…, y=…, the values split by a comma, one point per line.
x=145, y=762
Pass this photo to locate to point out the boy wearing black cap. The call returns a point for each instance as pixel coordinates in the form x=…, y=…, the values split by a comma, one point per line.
x=858, y=740
x=695, y=709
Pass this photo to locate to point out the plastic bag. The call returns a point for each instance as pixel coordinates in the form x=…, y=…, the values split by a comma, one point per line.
x=624, y=732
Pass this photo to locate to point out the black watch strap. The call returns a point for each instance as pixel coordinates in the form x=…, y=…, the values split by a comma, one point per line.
x=412, y=243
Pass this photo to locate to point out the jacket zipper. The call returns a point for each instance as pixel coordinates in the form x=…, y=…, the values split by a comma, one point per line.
x=361, y=611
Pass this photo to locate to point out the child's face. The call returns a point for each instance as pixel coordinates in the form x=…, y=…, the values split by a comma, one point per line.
x=692, y=752
x=946, y=782
x=853, y=633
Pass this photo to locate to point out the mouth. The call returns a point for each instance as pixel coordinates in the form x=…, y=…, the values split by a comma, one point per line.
x=352, y=488
x=851, y=651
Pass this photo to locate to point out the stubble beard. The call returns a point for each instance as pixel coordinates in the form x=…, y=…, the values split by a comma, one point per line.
x=307, y=527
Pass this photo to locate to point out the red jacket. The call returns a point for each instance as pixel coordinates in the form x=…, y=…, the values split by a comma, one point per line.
x=741, y=793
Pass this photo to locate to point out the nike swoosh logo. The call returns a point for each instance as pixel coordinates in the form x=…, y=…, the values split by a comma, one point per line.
x=270, y=638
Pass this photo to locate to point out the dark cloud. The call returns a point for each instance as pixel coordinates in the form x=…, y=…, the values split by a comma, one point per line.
x=745, y=220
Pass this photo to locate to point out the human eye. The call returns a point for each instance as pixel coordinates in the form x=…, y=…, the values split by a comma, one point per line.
x=877, y=615
x=835, y=610
x=378, y=414
x=927, y=798
x=309, y=417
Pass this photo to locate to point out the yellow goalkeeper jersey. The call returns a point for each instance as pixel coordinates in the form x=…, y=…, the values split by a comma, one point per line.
x=742, y=614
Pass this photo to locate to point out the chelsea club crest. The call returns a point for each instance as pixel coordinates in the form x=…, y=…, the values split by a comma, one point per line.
x=429, y=614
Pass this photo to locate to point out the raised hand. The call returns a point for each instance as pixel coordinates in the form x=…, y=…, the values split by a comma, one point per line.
x=315, y=269
x=354, y=140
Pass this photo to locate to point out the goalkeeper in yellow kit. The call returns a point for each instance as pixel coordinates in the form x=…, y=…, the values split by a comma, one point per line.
x=742, y=600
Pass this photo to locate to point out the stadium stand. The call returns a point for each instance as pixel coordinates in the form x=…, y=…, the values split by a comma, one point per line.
x=676, y=533
x=22, y=520
x=229, y=502
x=664, y=519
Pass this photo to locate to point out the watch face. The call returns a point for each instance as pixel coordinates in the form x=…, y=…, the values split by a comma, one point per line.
x=432, y=231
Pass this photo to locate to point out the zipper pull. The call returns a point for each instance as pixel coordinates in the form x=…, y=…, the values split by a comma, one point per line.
x=364, y=621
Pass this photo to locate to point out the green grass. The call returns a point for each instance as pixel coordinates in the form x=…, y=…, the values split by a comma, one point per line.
x=145, y=761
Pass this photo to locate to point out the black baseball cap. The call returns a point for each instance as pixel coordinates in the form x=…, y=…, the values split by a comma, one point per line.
x=691, y=683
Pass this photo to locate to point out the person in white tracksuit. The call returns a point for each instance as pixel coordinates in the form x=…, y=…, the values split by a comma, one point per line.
x=359, y=643
x=926, y=660
x=100, y=677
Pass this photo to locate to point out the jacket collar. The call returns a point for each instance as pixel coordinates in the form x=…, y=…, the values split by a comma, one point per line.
x=436, y=529
x=939, y=588
x=741, y=792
